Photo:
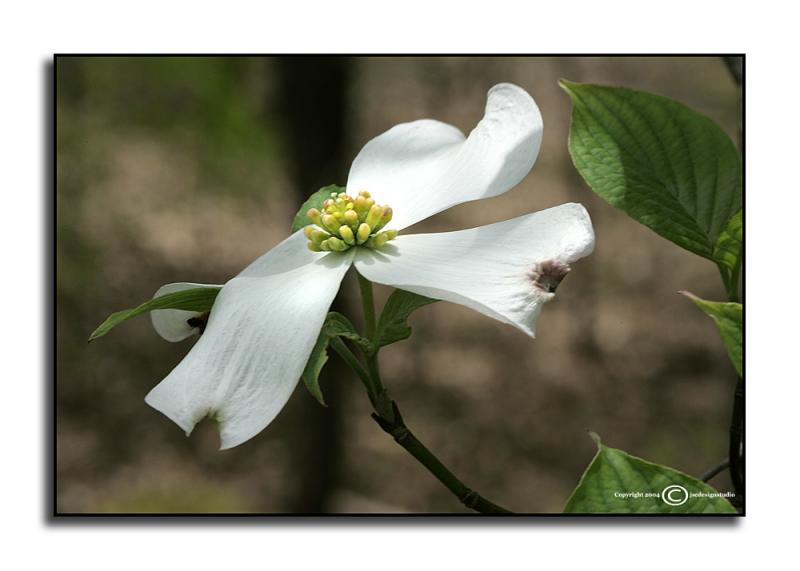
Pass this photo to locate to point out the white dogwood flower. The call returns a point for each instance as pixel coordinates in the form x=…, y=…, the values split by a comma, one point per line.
x=265, y=321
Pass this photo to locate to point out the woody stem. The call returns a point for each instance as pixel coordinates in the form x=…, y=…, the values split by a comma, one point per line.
x=387, y=415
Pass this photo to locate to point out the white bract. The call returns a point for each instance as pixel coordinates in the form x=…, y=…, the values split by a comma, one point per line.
x=266, y=320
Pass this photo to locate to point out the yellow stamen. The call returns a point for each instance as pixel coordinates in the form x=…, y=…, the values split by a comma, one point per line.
x=347, y=235
x=363, y=232
x=345, y=222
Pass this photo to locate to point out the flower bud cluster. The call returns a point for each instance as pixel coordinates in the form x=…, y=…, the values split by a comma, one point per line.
x=345, y=222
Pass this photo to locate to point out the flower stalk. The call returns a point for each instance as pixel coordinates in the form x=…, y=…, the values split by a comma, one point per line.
x=387, y=414
x=368, y=304
x=397, y=429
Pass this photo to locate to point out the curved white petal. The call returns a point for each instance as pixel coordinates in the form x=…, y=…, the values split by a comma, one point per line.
x=260, y=333
x=173, y=324
x=506, y=270
x=423, y=167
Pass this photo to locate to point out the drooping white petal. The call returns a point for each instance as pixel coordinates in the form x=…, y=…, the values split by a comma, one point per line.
x=507, y=270
x=173, y=324
x=423, y=167
x=260, y=333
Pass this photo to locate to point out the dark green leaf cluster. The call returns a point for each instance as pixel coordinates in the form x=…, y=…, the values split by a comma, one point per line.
x=671, y=169
x=679, y=174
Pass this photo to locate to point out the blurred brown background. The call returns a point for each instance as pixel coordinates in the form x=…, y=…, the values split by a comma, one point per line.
x=186, y=169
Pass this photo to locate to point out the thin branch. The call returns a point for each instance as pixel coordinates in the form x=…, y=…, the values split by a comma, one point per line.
x=711, y=472
x=353, y=362
x=735, y=442
x=388, y=417
x=397, y=429
x=368, y=303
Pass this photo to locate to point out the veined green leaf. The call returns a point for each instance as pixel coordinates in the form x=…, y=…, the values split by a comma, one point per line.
x=392, y=326
x=336, y=325
x=617, y=483
x=666, y=166
x=728, y=249
x=728, y=317
x=196, y=299
x=314, y=201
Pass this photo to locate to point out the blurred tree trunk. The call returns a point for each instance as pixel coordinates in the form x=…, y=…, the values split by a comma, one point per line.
x=312, y=93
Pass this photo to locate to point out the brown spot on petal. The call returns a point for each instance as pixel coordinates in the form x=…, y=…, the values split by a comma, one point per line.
x=548, y=274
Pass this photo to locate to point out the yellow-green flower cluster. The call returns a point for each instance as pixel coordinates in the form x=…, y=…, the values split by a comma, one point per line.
x=345, y=222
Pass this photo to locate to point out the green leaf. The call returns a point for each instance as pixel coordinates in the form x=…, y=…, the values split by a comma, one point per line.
x=316, y=361
x=728, y=317
x=314, y=201
x=666, y=166
x=614, y=479
x=728, y=249
x=197, y=299
x=335, y=325
x=392, y=326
